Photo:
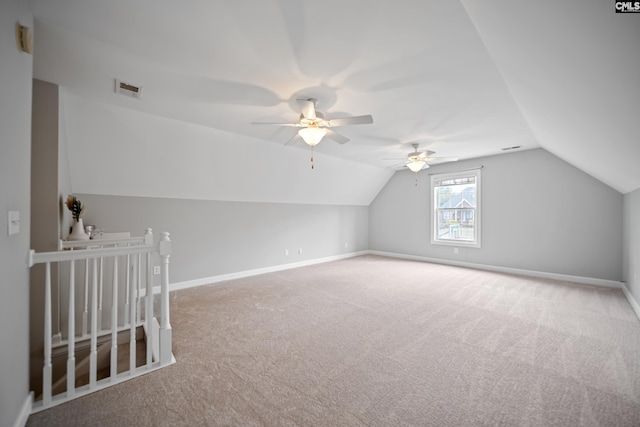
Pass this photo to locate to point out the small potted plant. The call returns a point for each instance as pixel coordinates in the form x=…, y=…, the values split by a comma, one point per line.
x=77, y=210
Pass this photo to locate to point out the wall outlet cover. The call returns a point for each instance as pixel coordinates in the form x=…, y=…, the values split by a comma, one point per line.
x=13, y=222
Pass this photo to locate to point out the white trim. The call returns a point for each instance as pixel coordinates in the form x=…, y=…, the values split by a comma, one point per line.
x=23, y=417
x=101, y=385
x=533, y=273
x=631, y=299
x=155, y=336
x=247, y=273
x=541, y=274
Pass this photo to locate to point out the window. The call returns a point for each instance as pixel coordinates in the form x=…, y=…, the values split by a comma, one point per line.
x=455, y=217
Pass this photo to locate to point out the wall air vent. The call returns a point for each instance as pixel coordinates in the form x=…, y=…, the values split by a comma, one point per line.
x=515, y=147
x=128, y=89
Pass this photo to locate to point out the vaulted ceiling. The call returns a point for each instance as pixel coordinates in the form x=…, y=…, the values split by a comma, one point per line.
x=463, y=78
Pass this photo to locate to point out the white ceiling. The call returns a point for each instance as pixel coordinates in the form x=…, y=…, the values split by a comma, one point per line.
x=464, y=79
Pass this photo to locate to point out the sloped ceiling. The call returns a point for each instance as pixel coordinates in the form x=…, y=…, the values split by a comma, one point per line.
x=464, y=79
x=572, y=67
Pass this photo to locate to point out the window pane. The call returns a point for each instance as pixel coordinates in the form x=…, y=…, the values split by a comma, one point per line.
x=455, y=208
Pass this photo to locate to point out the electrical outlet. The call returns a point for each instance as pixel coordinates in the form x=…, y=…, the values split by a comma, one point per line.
x=299, y=251
x=286, y=252
x=346, y=245
x=156, y=269
x=455, y=250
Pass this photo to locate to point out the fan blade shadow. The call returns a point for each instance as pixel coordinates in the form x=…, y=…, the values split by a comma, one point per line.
x=305, y=21
x=295, y=138
x=217, y=91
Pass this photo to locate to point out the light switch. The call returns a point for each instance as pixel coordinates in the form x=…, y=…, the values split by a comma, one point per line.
x=13, y=222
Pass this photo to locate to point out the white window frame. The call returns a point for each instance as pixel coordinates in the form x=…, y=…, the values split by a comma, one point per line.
x=476, y=243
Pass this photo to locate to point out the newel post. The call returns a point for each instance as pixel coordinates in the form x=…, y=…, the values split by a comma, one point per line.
x=164, y=248
x=148, y=236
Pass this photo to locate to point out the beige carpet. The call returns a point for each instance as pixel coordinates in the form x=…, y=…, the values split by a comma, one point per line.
x=373, y=341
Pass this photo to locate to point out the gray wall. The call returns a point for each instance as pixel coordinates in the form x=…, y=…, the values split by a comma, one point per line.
x=15, y=135
x=212, y=238
x=44, y=167
x=632, y=243
x=49, y=176
x=538, y=213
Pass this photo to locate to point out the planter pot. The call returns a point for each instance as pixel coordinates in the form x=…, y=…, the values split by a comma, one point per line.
x=77, y=231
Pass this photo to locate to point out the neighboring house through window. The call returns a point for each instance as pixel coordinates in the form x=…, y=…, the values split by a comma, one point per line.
x=455, y=201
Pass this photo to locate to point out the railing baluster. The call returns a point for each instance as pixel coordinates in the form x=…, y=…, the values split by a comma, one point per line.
x=148, y=312
x=138, y=297
x=114, y=321
x=93, y=355
x=132, y=325
x=127, y=297
x=85, y=312
x=47, y=369
x=100, y=292
x=165, y=324
x=71, y=360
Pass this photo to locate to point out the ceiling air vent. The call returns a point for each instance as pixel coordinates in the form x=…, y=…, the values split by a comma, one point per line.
x=515, y=147
x=128, y=89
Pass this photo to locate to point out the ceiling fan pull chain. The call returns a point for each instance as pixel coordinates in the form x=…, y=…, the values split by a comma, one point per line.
x=312, y=165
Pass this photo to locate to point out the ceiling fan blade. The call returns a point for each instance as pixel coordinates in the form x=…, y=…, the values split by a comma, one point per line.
x=355, y=120
x=398, y=166
x=308, y=109
x=426, y=154
x=277, y=124
x=436, y=160
x=340, y=139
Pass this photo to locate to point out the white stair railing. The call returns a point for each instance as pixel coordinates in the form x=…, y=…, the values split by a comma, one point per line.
x=132, y=263
x=93, y=256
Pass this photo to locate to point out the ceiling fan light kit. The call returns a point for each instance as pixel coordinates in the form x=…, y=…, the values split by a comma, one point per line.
x=312, y=135
x=314, y=127
x=416, y=165
x=417, y=161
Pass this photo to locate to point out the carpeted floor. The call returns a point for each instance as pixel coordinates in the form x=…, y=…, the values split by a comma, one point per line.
x=374, y=341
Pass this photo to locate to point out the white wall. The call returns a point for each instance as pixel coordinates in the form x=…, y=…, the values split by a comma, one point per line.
x=538, y=213
x=632, y=243
x=15, y=134
x=212, y=238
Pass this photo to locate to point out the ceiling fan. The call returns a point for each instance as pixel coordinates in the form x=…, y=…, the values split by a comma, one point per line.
x=416, y=161
x=313, y=126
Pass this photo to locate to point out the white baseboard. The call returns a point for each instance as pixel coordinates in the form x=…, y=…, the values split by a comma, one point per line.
x=508, y=270
x=25, y=411
x=634, y=304
x=247, y=273
x=544, y=275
